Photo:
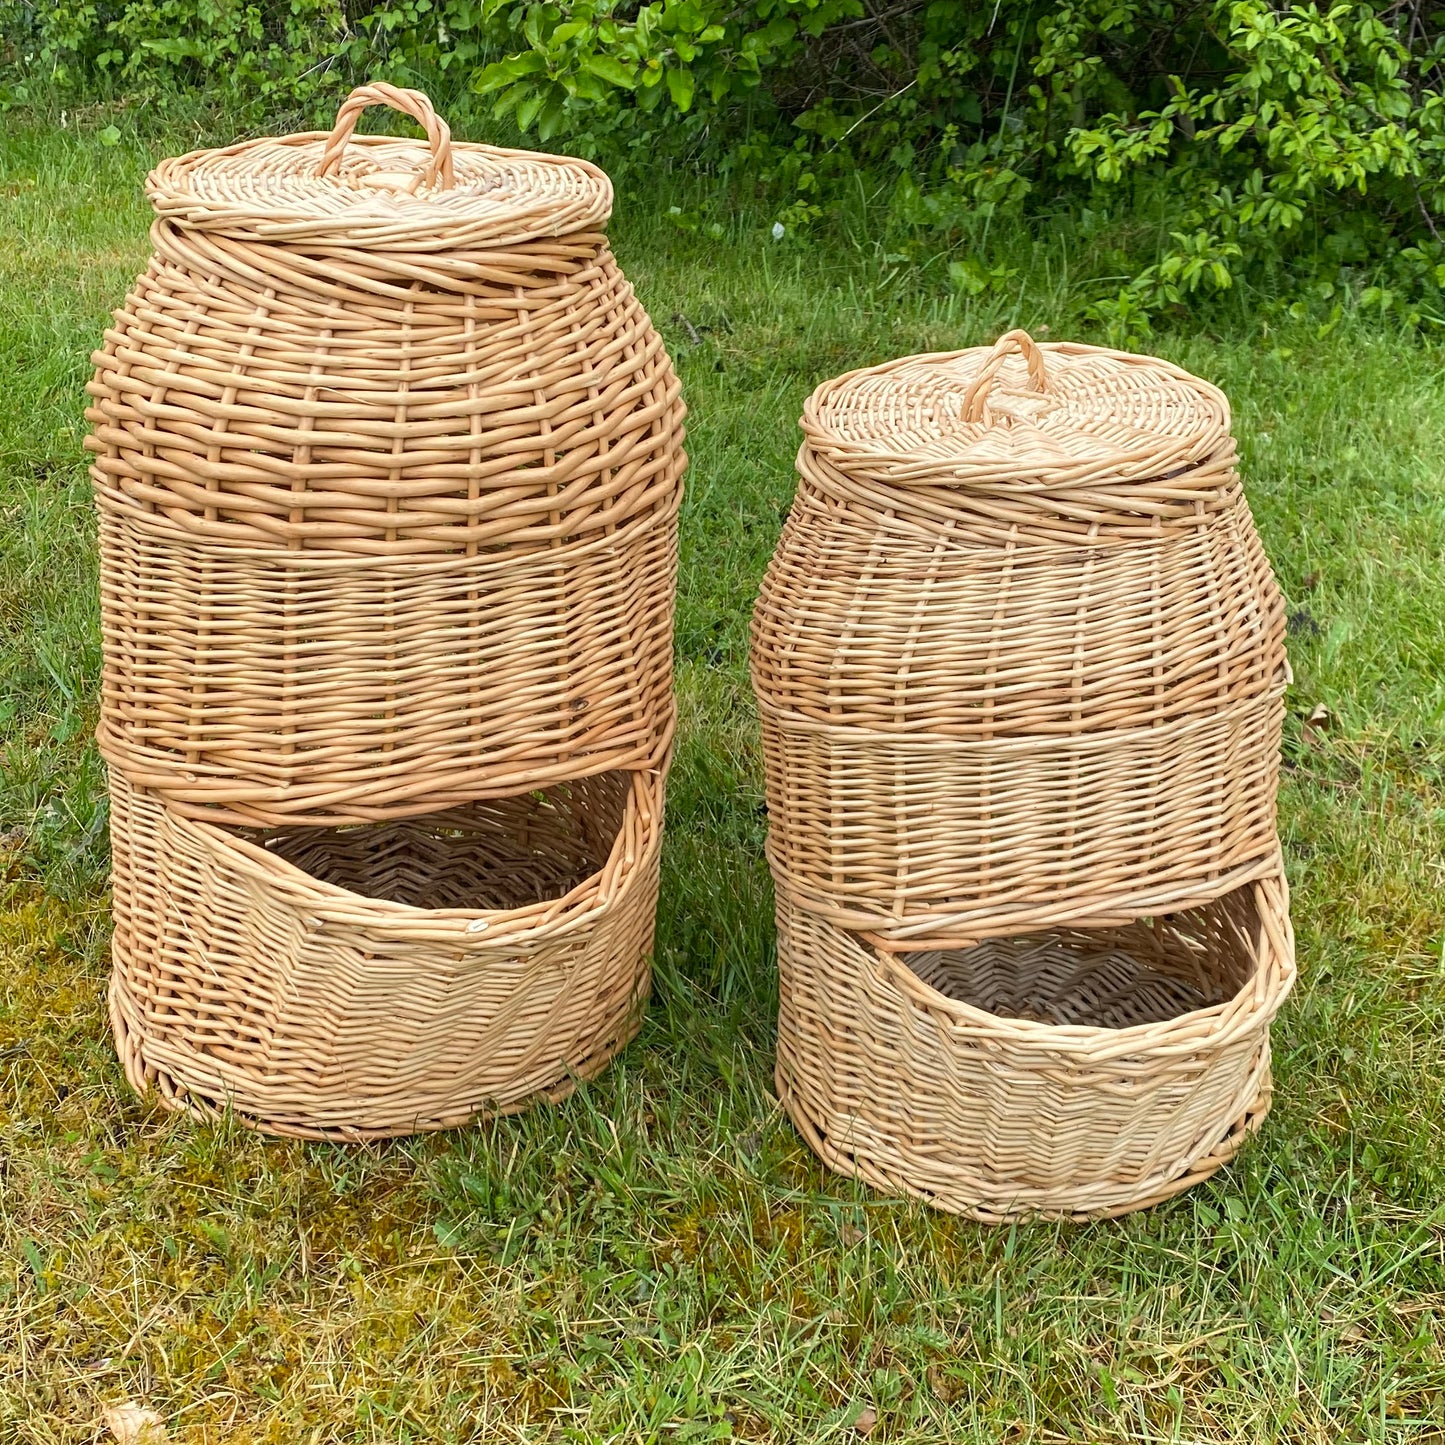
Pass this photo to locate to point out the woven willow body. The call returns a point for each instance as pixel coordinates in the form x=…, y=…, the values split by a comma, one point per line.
x=265, y=686
x=388, y=458
x=1068, y=1073
x=374, y=981
x=1019, y=656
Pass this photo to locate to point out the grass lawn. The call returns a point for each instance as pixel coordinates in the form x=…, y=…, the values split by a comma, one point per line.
x=660, y=1258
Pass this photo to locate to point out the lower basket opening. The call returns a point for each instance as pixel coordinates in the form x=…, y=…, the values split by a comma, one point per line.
x=500, y=853
x=1144, y=972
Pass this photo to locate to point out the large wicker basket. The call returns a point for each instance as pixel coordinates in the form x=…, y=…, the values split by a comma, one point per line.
x=1019, y=656
x=388, y=458
x=379, y=980
x=1066, y=1074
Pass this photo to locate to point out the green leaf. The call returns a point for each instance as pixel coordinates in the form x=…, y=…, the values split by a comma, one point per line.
x=549, y=120
x=508, y=101
x=968, y=276
x=583, y=85
x=219, y=1238
x=449, y=1233
x=180, y=48
x=527, y=110
x=504, y=72
x=686, y=18
x=110, y=136
x=36, y=1261
x=612, y=70
x=680, y=87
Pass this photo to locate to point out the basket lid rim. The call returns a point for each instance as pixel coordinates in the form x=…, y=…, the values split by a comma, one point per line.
x=1053, y=414
x=377, y=197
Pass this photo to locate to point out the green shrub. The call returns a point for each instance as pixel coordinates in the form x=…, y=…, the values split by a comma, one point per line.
x=273, y=52
x=1296, y=147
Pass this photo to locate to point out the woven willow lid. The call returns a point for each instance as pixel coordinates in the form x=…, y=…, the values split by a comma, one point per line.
x=1047, y=414
x=378, y=191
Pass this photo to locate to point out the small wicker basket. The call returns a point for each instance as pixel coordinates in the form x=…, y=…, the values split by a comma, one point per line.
x=388, y=457
x=366, y=982
x=1019, y=656
x=1064, y=1074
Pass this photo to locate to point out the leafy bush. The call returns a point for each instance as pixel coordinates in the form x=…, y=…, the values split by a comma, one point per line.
x=1300, y=147
x=269, y=51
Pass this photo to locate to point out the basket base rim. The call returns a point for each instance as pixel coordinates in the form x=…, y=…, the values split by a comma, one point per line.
x=153, y=1083
x=1001, y=1208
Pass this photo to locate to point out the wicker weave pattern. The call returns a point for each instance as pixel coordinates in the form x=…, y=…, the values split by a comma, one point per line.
x=388, y=458
x=394, y=198
x=255, y=684
x=1097, y=1096
x=253, y=392
x=1060, y=426
x=908, y=629
x=926, y=841
x=367, y=982
x=1011, y=673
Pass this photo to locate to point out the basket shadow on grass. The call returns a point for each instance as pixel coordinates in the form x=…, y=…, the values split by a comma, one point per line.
x=660, y=1257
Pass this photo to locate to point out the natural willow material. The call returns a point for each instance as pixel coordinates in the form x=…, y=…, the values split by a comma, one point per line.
x=262, y=686
x=373, y=981
x=1019, y=656
x=388, y=457
x=1068, y=1073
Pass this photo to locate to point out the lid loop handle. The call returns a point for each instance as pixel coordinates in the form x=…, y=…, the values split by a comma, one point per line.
x=408, y=102
x=975, y=399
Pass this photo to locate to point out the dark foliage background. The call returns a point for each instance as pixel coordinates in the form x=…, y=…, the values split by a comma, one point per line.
x=1181, y=147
